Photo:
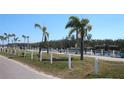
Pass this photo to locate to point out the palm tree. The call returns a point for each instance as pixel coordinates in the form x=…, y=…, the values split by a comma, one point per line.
x=19, y=41
x=45, y=35
x=82, y=27
x=13, y=35
x=7, y=36
x=27, y=40
x=70, y=23
x=13, y=42
x=3, y=38
x=24, y=37
x=16, y=39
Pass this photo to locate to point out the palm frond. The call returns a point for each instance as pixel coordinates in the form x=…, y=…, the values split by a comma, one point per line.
x=37, y=26
x=13, y=35
x=72, y=31
x=4, y=38
x=27, y=37
x=89, y=27
x=73, y=22
x=9, y=35
x=23, y=36
x=69, y=24
x=74, y=18
x=5, y=34
x=1, y=37
x=89, y=36
x=84, y=22
x=15, y=39
x=44, y=29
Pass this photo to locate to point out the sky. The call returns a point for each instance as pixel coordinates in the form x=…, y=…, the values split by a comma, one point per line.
x=105, y=26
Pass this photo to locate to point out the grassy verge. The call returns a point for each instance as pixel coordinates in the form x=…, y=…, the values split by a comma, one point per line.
x=79, y=69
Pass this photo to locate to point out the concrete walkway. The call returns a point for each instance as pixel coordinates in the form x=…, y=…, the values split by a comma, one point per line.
x=11, y=69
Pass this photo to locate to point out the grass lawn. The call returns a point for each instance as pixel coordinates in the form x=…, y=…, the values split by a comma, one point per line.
x=79, y=69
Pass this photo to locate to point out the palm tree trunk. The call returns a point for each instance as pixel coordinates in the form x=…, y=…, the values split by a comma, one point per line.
x=24, y=40
x=76, y=42
x=82, y=47
x=28, y=43
x=47, y=47
x=39, y=48
x=3, y=43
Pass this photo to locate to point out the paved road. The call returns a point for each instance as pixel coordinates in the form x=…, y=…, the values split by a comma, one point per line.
x=99, y=57
x=107, y=58
x=10, y=69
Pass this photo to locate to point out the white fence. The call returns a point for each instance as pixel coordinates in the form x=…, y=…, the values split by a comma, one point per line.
x=17, y=51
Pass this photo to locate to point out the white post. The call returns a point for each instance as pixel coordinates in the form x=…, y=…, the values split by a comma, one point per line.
x=32, y=55
x=41, y=53
x=67, y=52
x=4, y=50
x=102, y=52
x=15, y=52
x=51, y=58
x=96, y=66
x=25, y=52
x=12, y=51
x=113, y=53
x=18, y=51
x=8, y=50
x=69, y=61
x=91, y=52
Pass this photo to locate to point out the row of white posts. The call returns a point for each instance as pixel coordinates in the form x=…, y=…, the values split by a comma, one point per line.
x=96, y=64
x=51, y=58
x=2, y=49
x=7, y=50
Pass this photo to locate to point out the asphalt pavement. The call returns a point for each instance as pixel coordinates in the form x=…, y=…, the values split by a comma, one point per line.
x=11, y=69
